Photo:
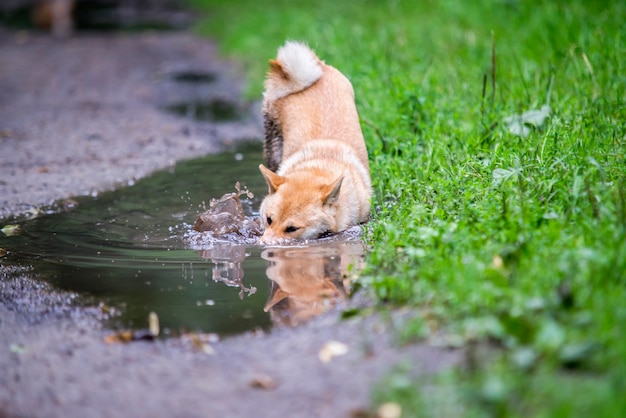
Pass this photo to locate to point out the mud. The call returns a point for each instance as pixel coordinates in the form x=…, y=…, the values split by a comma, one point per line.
x=84, y=115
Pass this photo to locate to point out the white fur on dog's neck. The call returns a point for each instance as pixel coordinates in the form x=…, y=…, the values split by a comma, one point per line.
x=301, y=65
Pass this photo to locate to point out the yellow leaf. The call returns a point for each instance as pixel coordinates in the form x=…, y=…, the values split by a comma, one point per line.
x=11, y=230
x=153, y=321
x=389, y=410
x=332, y=349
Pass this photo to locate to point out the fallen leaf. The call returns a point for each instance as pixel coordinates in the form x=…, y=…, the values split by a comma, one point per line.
x=153, y=321
x=202, y=342
x=207, y=349
x=127, y=336
x=119, y=337
x=332, y=349
x=520, y=125
x=389, y=410
x=11, y=230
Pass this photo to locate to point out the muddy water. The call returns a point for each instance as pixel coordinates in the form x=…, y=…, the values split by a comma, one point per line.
x=133, y=250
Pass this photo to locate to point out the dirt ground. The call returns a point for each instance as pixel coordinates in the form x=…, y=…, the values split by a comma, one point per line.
x=83, y=115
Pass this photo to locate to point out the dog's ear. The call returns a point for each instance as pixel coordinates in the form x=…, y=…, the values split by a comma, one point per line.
x=272, y=179
x=276, y=296
x=276, y=68
x=330, y=194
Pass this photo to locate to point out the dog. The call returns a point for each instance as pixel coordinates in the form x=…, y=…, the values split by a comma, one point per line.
x=317, y=165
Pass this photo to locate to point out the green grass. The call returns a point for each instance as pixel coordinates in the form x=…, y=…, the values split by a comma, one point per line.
x=488, y=236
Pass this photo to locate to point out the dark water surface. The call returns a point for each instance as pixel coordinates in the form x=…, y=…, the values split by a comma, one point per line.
x=131, y=249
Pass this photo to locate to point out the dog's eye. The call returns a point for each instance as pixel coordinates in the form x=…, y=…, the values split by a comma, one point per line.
x=269, y=220
x=291, y=229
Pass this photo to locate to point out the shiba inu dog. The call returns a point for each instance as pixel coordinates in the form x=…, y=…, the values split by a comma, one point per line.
x=317, y=168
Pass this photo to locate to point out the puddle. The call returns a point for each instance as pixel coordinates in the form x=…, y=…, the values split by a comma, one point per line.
x=215, y=110
x=134, y=250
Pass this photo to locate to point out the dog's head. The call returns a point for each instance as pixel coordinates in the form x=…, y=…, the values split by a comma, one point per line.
x=299, y=206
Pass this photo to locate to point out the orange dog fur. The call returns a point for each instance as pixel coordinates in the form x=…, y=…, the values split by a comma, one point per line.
x=318, y=177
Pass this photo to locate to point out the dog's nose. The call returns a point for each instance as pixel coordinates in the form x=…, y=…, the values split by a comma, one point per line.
x=267, y=238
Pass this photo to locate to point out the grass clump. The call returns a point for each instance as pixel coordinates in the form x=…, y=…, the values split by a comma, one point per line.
x=488, y=234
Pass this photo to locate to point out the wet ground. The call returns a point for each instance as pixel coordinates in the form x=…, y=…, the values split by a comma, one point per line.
x=97, y=112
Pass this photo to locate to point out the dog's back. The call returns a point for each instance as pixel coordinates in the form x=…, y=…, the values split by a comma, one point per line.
x=306, y=99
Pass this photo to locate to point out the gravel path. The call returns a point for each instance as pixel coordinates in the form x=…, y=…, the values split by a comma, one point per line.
x=83, y=115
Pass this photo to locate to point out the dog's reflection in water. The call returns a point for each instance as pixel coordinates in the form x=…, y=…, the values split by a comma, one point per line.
x=307, y=281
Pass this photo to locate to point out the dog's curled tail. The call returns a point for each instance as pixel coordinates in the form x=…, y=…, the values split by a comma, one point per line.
x=295, y=68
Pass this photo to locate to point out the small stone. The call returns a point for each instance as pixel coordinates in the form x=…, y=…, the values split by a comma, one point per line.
x=263, y=381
